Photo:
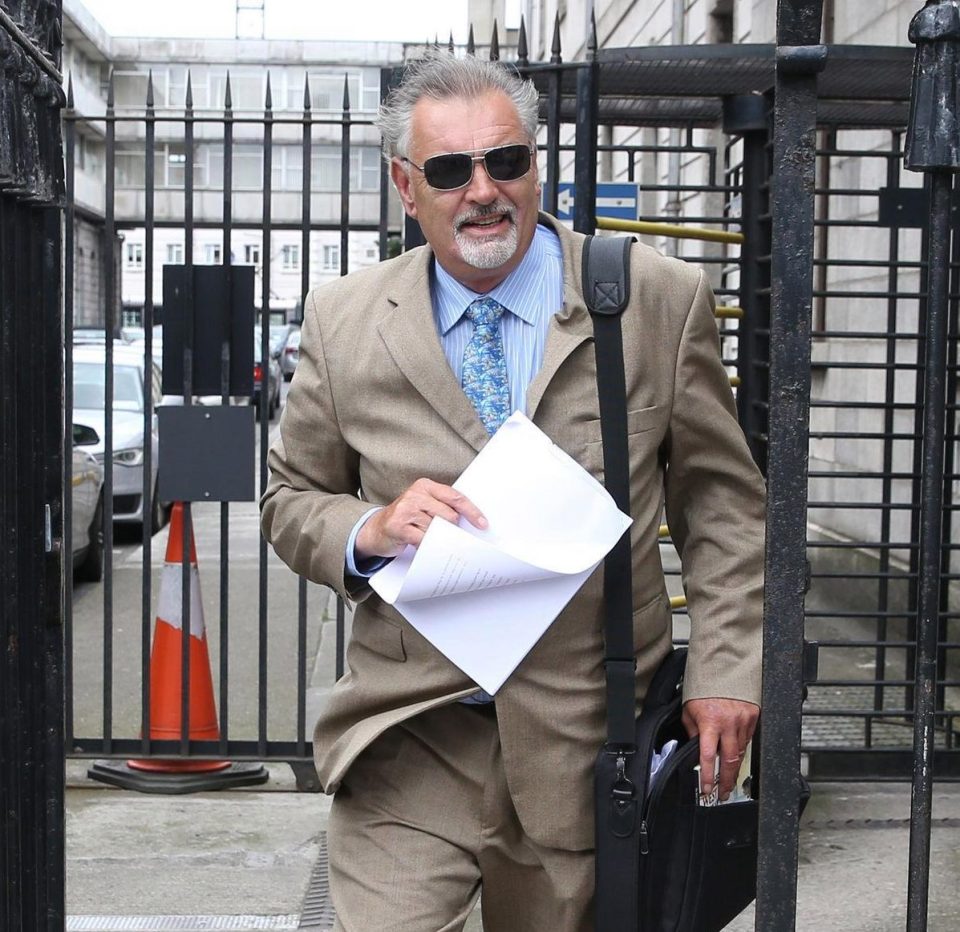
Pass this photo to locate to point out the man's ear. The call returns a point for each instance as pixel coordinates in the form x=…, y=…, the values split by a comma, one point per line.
x=401, y=180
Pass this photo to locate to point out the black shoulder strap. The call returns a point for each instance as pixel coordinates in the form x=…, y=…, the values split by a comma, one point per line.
x=606, y=289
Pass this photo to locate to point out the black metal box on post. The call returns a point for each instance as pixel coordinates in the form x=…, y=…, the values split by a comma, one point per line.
x=205, y=449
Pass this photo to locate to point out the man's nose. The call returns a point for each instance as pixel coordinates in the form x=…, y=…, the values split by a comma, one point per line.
x=482, y=188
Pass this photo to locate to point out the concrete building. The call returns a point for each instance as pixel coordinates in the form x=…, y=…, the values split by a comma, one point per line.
x=90, y=56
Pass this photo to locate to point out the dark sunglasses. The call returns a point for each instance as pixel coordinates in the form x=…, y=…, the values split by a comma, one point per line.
x=455, y=169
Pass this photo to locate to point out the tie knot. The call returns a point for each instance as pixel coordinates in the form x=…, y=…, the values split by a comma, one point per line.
x=484, y=311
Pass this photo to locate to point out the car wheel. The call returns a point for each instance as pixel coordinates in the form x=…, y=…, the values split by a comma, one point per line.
x=91, y=570
x=158, y=514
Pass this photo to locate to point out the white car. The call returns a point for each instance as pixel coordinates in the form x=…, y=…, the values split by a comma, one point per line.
x=89, y=380
x=87, y=493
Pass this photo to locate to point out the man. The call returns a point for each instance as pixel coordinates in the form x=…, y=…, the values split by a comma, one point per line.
x=406, y=369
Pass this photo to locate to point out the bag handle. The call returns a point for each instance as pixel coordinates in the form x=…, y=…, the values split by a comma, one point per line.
x=606, y=290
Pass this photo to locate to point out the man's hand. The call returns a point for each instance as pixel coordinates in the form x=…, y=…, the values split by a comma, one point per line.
x=405, y=520
x=725, y=727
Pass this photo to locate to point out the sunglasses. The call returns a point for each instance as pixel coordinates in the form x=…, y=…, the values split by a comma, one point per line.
x=455, y=169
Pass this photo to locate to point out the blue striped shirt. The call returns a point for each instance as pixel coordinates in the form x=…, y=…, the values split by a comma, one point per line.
x=532, y=293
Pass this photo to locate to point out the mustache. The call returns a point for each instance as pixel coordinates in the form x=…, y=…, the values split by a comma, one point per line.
x=485, y=211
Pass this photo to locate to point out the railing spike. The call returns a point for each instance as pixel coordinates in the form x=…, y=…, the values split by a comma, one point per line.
x=307, y=102
x=592, y=38
x=471, y=45
x=70, y=90
x=346, y=92
x=268, y=97
x=555, y=58
x=494, y=44
x=523, y=55
x=450, y=43
x=150, y=89
x=188, y=101
x=110, y=93
x=228, y=94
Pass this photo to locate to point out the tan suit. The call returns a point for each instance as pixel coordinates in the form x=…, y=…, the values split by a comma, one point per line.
x=374, y=406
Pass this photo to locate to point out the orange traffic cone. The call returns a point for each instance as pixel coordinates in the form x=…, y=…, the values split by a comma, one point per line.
x=166, y=676
x=166, y=682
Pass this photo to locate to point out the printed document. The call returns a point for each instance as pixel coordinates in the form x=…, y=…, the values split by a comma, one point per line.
x=485, y=597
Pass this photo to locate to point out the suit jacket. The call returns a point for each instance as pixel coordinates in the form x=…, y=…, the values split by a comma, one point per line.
x=374, y=406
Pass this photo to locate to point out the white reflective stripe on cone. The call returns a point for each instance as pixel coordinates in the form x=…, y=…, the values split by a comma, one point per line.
x=170, y=608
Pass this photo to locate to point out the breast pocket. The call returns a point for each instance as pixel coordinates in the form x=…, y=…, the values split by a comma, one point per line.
x=642, y=429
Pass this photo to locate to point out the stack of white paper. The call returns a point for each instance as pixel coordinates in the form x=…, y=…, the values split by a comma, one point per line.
x=484, y=598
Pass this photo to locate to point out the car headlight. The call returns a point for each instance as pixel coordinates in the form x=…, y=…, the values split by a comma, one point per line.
x=132, y=456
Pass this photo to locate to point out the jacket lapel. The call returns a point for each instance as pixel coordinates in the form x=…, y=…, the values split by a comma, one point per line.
x=410, y=335
x=571, y=326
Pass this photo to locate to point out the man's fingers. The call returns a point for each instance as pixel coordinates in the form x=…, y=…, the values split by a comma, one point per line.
x=730, y=760
x=708, y=757
x=725, y=727
x=457, y=501
x=405, y=520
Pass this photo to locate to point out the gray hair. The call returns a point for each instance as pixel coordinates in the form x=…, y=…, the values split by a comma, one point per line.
x=441, y=76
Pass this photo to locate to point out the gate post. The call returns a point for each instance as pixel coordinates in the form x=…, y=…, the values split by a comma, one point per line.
x=747, y=116
x=799, y=59
x=932, y=146
x=31, y=471
x=585, y=165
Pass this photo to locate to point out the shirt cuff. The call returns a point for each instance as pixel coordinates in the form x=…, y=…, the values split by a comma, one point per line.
x=363, y=568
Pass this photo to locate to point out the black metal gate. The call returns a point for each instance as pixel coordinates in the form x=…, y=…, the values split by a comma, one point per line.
x=263, y=673
x=31, y=464
x=779, y=169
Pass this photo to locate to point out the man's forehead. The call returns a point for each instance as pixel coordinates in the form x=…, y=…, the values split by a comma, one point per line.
x=460, y=124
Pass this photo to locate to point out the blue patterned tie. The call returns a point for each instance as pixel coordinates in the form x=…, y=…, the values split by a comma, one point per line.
x=485, y=383
x=484, y=376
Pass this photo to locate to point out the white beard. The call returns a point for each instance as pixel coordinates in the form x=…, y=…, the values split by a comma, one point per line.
x=489, y=252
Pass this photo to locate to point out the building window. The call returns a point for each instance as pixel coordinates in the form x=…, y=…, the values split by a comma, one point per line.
x=134, y=255
x=364, y=168
x=251, y=254
x=176, y=162
x=175, y=253
x=331, y=258
x=287, y=168
x=212, y=253
x=290, y=258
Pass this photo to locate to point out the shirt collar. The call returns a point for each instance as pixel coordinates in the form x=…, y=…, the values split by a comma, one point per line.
x=453, y=298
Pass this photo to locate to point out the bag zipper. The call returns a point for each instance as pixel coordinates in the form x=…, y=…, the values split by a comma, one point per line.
x=647, y=820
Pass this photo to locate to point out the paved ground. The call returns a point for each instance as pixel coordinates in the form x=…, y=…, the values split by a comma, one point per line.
x=249, y=855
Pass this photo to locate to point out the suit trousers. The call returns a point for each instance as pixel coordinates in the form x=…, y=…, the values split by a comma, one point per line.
x=423, y=821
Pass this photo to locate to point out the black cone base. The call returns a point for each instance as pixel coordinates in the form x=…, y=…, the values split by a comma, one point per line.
x=119, y=773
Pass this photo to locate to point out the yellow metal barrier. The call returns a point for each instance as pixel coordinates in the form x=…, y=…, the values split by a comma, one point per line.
x=734, y=381
x=672, y=230
x=664, y=531
x=728, y=313
x=678, y=601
